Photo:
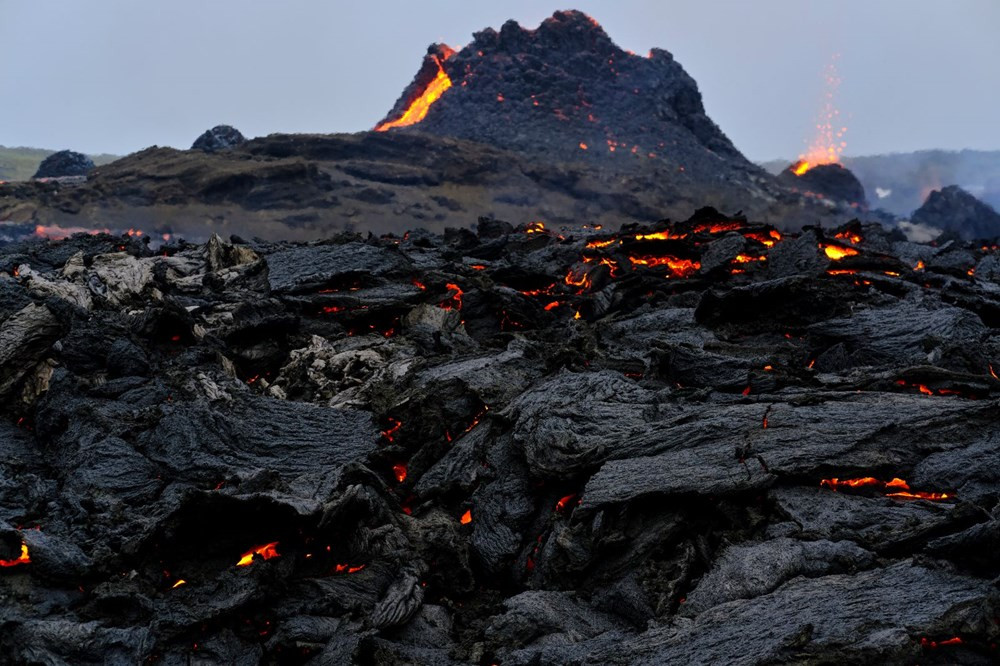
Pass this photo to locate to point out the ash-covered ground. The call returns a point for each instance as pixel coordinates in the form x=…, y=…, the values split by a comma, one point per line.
x=705, y=442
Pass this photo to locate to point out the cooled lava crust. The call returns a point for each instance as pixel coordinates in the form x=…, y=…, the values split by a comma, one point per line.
x=696, y=442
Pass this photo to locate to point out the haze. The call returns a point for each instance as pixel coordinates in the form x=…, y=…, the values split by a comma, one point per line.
x=118, y=75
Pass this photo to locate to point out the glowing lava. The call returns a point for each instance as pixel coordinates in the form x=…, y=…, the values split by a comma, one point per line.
x=23, y=559
x=837, y=252
x=828, y=143
x=265, y=552
x=900, y=488
x=418, y=108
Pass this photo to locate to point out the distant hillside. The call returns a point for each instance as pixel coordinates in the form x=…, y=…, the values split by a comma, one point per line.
x=900, y=182
x=21, y=163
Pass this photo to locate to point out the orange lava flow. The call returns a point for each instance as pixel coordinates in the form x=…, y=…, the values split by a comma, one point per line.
x=466, y=517
x=342, y=568
x=399, y=471
x=418, y=108
x=265, y=552
x=659, y=235
x=901, y=489
x=718, y=227
x=679, y=267
x=23, y=559
x=837, y=252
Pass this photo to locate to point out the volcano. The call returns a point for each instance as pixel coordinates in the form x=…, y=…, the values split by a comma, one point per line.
x=567, y=89
x=556, y=124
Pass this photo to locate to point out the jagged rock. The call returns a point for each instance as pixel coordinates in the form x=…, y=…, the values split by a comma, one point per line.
x=952, y=209
x=64, y=163
x=220, y=137
x=698, y=442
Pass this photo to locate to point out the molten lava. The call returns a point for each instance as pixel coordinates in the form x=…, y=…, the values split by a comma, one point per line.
x=827, y=145
x=399, y=471
x=418, y=108
x=23, y=559
x=265, y=552
x=466, y=517
x=837, y=252
x=900, y=488
x=454, y=300
x=679, y=267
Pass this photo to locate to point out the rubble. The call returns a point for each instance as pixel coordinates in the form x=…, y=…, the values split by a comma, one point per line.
x=706, y=441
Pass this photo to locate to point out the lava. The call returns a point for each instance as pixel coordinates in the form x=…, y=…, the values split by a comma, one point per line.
x=399, y=471
x=828, y=144
x=347, y=568
x=564, y=502
x=928, y=643
x=265, y=552
x=454, y=300
x=24, y=558
x=418, y=108
x=836, y=252
x=679, y=267
x=466, y=517
x=391, y=430
x=895, y=487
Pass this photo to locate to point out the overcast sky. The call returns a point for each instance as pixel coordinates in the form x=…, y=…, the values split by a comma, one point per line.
x=119, y=75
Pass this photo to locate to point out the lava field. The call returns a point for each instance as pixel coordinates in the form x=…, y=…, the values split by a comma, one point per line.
x=699, y=442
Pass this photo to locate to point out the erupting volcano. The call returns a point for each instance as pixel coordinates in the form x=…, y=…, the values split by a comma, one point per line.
x=828, y=143
x=566, y=89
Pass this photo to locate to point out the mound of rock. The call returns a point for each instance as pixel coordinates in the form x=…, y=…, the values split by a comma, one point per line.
x=63, y=164
x=220, y=137
x=567, y=90
x=952, y=209
x=827, y=181
x=698, y=442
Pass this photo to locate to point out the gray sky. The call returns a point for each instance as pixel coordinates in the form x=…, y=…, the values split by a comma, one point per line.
x=119, y=75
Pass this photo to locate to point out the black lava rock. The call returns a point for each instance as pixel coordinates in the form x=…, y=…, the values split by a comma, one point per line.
x=952, y=209
x=64, y=163
x=566, y=89
x=831, y=181
x=219, y=137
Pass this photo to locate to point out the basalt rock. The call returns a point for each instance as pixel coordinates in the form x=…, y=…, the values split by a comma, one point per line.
x=701, y=442
x=64, y=163
x=219, y=137
x=833, y=182
x=958, y=213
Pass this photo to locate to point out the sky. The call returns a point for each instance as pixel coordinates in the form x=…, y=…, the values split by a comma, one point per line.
x=115, y=76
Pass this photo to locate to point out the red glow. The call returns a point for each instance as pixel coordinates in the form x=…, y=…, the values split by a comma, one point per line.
x=399, y=471
x=466, y=517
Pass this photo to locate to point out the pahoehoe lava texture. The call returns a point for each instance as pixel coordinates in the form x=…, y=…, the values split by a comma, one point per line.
x=700, y=442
